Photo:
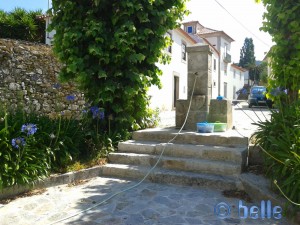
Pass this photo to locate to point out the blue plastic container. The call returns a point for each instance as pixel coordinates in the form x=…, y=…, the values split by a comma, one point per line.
x=205, y=127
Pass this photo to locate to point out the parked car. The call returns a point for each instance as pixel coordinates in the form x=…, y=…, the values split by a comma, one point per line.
x=257, y=97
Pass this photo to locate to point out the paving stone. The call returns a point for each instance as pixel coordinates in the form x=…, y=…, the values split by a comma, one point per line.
x=170, y=220
x=150, y=214
x=193, y=220
x=149, y=204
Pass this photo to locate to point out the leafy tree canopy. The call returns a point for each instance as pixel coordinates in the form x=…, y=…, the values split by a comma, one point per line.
x=23, y=25
x=247, y=58
x=282, y=22
x=110, y=48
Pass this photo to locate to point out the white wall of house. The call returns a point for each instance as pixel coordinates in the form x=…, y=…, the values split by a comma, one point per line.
x=215, y=69
x=223, y=46
x=214, y=42
x=164, y=98
x=49, y=35
x=246, y=79
x=226, y=84
x=237, y=81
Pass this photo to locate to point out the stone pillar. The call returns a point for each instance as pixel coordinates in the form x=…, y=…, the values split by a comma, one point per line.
x=199, y=68
x=221, y=110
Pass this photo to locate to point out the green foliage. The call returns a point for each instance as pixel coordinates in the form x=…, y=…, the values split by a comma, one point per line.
x=52, y=147
x=258, y=72
x=23, y=164
x=23, y=25
x=247, y=58
x=150, y=120
x=279, y=136
x=263, y=74
x=282, y=23
x=111, y=49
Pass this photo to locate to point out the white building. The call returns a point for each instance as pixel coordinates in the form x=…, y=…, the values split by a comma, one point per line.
x=223, y=70
x=49, y=35
x=174, y=77
x=226, y=77
x=237, y=75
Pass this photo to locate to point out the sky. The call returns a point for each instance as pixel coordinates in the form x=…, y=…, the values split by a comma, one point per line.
x=210, y=14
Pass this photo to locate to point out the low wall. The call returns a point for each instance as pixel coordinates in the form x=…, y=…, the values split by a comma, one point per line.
x=28, y=76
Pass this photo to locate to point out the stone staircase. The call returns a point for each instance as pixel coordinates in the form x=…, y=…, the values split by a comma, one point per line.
x=214, y=160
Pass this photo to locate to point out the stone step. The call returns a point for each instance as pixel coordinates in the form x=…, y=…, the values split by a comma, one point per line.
x=238, y=154
x=179, y=164
x=159, y=175
x=229, y=138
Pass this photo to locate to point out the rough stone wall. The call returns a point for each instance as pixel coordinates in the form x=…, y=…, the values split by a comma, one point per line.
x=28, y=77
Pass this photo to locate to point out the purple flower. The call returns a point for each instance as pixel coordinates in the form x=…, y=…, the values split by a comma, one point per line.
x=29, y=128
x=97, y=113
x=70, y=98
x=18, y=142
x=101, y=115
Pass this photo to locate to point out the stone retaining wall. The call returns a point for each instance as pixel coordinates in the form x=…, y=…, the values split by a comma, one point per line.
x=28, y=77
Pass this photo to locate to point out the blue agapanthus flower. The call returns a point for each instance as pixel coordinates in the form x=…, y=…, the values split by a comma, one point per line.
x=18, y=142
x=29, y=128
x=97, y=113
x=70, y=97
x=101, y=115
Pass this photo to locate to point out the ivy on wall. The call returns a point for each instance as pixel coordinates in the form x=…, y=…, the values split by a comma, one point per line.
x=282, y=22
x=111, y=49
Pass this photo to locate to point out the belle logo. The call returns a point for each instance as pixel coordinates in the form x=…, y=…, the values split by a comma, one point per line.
x=265, y=211
x=222, y=210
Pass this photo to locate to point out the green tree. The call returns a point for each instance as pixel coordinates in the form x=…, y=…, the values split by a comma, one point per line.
x=111, y=50
x=258, y=72
x=263, y=73
x=23, y=25
x=247, y=58
x=282, y=22
x=279, y=136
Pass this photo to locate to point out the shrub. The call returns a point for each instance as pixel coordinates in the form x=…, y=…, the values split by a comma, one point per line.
x=111, y=49
x=23, y=25
x=33, y=145
x=279, y=137
x=23, y=157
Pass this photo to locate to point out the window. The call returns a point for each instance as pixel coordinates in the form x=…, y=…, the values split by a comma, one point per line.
x=225, y=69
x=215, y=64
x=169, y=48
x=190, y=29
x=183, y=51
x=225, y=90
x=233, y=74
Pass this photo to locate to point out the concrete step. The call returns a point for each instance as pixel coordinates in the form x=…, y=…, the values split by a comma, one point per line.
x=221, y=153
x=179, y=164
x=229, y=138
x=159, y=175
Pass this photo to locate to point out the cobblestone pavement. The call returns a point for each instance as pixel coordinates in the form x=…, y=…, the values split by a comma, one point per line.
x=147, y=204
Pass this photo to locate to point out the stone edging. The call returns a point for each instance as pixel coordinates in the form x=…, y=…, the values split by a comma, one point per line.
x=52, y=181
x=263, y=192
